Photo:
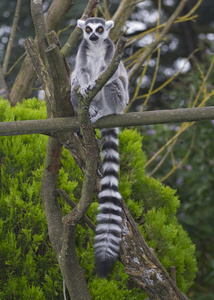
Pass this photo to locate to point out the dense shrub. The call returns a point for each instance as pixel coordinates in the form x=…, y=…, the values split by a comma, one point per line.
x=29, y=268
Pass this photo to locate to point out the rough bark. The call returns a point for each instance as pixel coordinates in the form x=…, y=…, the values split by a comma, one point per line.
x=49, y=193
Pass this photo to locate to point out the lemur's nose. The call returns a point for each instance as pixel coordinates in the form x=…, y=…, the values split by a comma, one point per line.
x=93, y=37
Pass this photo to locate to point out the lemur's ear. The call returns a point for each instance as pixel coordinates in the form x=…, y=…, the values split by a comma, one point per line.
x=109, y=24
x=81, y=24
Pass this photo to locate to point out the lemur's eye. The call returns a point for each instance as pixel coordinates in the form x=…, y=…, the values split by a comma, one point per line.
x=99, y=29
x=88, y=29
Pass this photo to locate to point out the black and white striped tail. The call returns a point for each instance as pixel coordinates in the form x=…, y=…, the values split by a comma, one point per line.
x=108, y=231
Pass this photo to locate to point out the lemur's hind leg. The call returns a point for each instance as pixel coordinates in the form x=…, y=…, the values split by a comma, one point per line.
x=112, y=102
x=99, y=106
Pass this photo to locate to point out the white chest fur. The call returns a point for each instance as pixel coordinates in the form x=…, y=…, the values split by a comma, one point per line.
x=96, y=59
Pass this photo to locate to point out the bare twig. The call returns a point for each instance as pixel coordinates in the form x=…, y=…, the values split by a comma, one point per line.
x=73, y=204
x=15, y=64
x=12, y=35
x=162, y=160
x=38, y=64
x=173, y=273
x=159, y=39
x=122, y=14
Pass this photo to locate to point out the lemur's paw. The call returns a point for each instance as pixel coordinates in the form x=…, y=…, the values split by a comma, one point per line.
x=92, y=111
x=91, y=85
x=93, y=114
x=94, y=119
x=83, y=90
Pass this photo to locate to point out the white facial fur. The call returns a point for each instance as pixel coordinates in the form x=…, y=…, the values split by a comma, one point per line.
x=108, y=25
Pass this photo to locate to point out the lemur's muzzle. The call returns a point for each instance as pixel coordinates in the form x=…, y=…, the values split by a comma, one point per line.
x=93, y=37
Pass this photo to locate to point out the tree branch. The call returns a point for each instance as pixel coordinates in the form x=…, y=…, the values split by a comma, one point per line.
x=73, y=204
x=58, y=125
x=38, y=65
x=40, y=26
x=49, y=195
x=153, y=45
x=12, y=35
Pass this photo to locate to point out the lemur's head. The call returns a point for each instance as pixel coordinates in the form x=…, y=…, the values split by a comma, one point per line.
x=95, y=29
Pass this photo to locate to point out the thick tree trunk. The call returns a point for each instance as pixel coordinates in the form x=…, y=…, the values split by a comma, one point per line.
x=58, y=230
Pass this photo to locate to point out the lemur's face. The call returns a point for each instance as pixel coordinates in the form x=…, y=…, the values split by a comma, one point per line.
x=95, y=29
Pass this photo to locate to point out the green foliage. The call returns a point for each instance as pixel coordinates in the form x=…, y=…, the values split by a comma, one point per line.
x=29, y=268
x=109, y=289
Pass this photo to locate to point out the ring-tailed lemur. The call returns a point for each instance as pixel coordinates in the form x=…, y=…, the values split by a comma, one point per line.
x=94, y=56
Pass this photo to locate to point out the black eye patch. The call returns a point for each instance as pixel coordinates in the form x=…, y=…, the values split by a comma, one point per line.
x=99, y=29
x=88, y=29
